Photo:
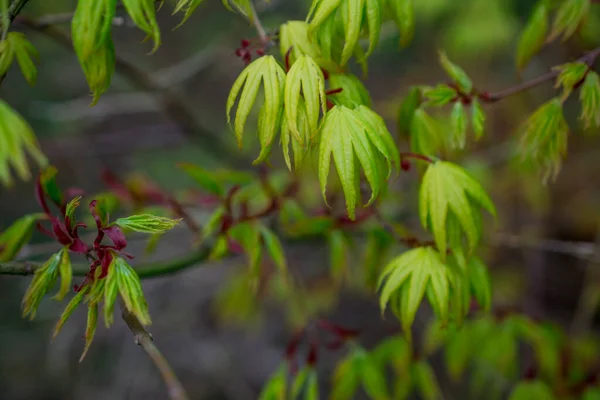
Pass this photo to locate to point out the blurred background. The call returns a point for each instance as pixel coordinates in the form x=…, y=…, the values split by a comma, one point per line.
x=540, y=252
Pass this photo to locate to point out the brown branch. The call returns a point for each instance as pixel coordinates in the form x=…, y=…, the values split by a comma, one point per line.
x=488, y=97
x=144, y=339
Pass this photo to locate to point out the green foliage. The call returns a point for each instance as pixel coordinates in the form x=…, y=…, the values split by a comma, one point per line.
x=353, y=92
x=91, y=30
x=275, y=388
x=534, y=35
x=531, y=390
x=350, y=136
x=589, y=96
x=477, y=118
x=456, y=73
x=544, y=137
x=16, y=45
x=16, y=236
x=16, y=141
x=268, y=71
x=570, y=75
x=439, y=95
x=448, y=204
x=425, y=133
x=146, y=223
x=407, y=110
x=58, y=264
x=359, y=369
x=188, y=7
x=294, y=38
x=123, y=279
x=403, y=14
x=568, y=18
x=143, y=14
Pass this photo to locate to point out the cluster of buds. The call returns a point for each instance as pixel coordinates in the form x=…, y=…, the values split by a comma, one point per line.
x=246, y=49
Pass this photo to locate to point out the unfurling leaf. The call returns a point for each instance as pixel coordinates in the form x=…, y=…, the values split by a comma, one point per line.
x=456, y=74
x=408, y=277
x=569, y=16
x=75, y=301
x=352, y=137
x=458, y=122
x=130, y=289
x=304, y=78
x=531, y=390
x=43, y=280
x=425, y=381
x=350, y=17
x=146, y=223
x=447, y=194
x=16, y=139
x=66, y=274
x=143, y=14
x=480, y=282
x=91, y=31
x=271, y=74
x=589, y=97
x=403, y=13
x=17, y=46
x=439, y=95
x=477, y=118
x=274, y=248
x=346, y=378
x=188, y=6
x=90, y=330
x=16, y=236
x=276, y=387
x=425, y=133
x=544, y=137
x=300, y=148
x=570, y=75
x=353, y=91
x=534, y=35
x=407, y=109
x=293, y=38
x=248, y=236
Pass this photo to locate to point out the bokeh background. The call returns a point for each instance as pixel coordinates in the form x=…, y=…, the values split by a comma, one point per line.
x=540, y=252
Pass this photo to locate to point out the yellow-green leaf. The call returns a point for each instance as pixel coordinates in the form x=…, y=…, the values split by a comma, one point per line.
x=439, y=95
x=66, y=274
x=534, y=35
x=353, y=91
x=569, y=16
x=130, y=289
x=143, y=14
x=403, y=13
x=16, y=236
x=274, y=248
x=570, y=74
x=407, y=109
x=425, y=133
x=75, y=301
x=589, y=96
x=477, y=118
x=187, y=6
x=458, y=122
x=17, y=46
x=456, y=74
x=90, y=330
x=146, y=223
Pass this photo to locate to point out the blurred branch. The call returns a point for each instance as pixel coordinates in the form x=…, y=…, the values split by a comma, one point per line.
x=587, y=304
x=149, y=270
x=144, y=338
x=488, y=97
x=582, y=250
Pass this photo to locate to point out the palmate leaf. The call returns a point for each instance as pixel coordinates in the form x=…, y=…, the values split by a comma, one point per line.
x=300, y=148
x=17, y=235
x=187, y=6
x=589, y=96
x=534, y=35
x=458, y=123
x=477, y=118
x=544, y=137
x=16, y=141
x=16, y=45
x=448, y=191
x=267, y=71
x=304, y=79
x=425, y=133
x=355, y=137
x=403, y=13
x=359, y=368
x=570, y=74
x=569, y=16
x=294, y=38
x=143, y=14
x=353, y=91
x=354, y=16
x=127, y=281
x=456, y=74
x=439, y=95
x=146, y=223
x=408, y=277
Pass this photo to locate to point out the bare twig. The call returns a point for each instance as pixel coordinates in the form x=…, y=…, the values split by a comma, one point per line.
x=589, y=296
x=144, y=339
x=260, y=29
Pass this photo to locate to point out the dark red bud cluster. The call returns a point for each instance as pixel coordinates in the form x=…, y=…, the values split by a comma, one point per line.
x=246, y=49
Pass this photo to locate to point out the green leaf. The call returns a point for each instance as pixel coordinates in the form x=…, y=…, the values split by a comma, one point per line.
x=299, y=381
x=66, y=274
x=17, y=140
x=275, y=388
x=16, y=45
x=481, y=284
x=73, y=304
x=457, y=353
x=91, y=31
x=589, y=97
x=425, y=381
x=447, y=189
x=425, y=133
x=456, y=74
x=17, y=235
x=544, y=138
x=346, y=379
x=570, y=74
x=220, y=248
x=403, y=13
x=312, y=387
x=351, y=139
x=269, y=72
x=378, y=243
x=440, y=95
x=293, y=37
x=568, y=17
x=409, y=277
x=43, y=280
x=533, y=37
x=381, y=138
x=300, y=148
x=49, y=185
x=531, y=390
x=274, y=248
x=90, y=330
x=146, y=223
x=187, y=6
x=458, y=122
x=248, y=236
x=5, y=16
x=353, y=91
x=306, y=78
x=372, y=377
x=130, y=289
x=71, y=207
x=204, y=178
x=407, y=109
x=338, y=255
x=591, y=394
x=111, y=291
x=477, y=118
x=143, y=14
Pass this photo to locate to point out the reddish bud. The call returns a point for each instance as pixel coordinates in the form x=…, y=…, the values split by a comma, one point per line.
x=260, y=52
x=311, y=360
x=245, y=43
x=405, y=165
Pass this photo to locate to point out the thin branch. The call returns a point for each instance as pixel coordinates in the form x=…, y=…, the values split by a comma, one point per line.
x=144, y=339
x=488, y=97
x=13, y=10
x=260, y=29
